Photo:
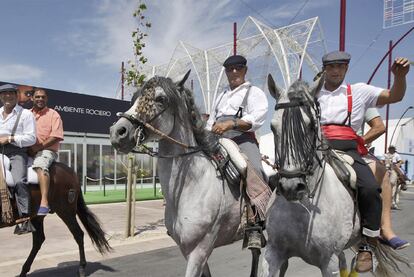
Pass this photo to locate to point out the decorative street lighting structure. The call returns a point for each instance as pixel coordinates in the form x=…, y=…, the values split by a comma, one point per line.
x=396, y=126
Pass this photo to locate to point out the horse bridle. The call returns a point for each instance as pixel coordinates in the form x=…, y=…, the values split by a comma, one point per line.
x=301, y=173
x=140, y=135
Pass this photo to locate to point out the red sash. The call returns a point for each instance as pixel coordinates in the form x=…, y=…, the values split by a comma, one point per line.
x=343, y=132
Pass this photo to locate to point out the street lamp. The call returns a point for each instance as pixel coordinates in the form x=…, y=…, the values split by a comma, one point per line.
x=395, y=128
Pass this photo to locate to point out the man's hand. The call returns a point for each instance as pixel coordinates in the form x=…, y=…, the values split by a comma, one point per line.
x=4, y=140
x=221, y=127
x=400, y=67
x=34, y=149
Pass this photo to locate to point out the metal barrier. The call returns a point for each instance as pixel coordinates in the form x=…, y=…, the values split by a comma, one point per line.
x=113, y=180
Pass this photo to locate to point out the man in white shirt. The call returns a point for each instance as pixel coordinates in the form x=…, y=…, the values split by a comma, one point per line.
x=342, y=112
x=17, y=132
x=239, y=111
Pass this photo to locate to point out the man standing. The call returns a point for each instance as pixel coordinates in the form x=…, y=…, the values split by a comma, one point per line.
x=393, y=162
x=49, y=129
x=17, y=132
x=342, y=112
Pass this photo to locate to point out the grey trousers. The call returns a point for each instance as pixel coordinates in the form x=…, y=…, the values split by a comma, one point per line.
x=18, y=162
x=251, y=150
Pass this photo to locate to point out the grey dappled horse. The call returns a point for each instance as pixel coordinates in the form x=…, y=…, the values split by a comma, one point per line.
x=202, y=212
x=313, y=215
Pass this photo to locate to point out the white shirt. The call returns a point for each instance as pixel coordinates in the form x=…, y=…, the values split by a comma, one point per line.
x=334, y=104
x=395, y=158
x=26, y=128
x=229, y=101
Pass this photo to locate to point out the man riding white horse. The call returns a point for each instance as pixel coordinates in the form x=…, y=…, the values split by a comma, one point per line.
x=342, y=111
x=238, y=112
x=17, y=132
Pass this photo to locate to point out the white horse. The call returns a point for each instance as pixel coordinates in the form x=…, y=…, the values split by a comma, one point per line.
x=202, y=211
x=313, y=215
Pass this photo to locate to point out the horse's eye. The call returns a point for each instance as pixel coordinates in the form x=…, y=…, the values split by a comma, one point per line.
x=161, y=100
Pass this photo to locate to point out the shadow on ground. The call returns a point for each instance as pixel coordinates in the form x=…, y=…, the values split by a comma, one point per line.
x=70, y=269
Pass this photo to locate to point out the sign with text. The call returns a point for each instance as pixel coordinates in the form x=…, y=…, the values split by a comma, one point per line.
x=398, y=12
x=84, y=113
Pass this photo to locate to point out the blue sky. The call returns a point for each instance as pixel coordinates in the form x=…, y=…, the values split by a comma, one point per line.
x=78, y=45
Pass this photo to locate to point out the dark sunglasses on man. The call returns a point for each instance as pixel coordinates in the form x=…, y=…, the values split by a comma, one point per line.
x=230, y=68
x=28, y=93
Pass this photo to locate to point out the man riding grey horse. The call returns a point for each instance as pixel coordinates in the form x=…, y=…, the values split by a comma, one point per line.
x=342, y=111
x=239, y=111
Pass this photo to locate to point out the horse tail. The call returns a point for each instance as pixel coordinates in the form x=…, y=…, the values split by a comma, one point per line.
x=92, y=226
x=389, y=261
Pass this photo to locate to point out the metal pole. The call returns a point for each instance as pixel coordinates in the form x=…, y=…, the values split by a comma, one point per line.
x=388, y=87
x=342, y=26
x=395, y=128
x=122, y=80
x=386, y=54
x=234, y=38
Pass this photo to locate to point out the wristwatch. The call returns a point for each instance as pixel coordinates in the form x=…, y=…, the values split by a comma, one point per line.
x=235, y=125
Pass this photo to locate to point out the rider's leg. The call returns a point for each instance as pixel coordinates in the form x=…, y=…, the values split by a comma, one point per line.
x=370, y=207
x=251, y=150
x=19, y=172
x=382, y=176
x=44, y=180
x=41, y=164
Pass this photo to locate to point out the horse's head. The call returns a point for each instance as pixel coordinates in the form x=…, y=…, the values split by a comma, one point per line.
x=158, y=103
x=295, y=125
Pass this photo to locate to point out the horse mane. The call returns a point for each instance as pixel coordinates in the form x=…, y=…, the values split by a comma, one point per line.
x=297, y=140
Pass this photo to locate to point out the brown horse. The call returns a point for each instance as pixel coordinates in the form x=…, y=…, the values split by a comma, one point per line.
x=66, y=200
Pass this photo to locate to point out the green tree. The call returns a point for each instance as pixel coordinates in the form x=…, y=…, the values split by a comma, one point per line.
x=133, y=74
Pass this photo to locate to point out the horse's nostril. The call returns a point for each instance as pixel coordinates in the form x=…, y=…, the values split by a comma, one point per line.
x=301, y=187
x=122, y=131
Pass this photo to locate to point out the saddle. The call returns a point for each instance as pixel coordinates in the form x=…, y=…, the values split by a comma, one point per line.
x=230, y=161
x=342, y=163
x=31, y=174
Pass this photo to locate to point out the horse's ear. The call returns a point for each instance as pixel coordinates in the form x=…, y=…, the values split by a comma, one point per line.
x=273, y=88
x=181, y=79
x=317, y=85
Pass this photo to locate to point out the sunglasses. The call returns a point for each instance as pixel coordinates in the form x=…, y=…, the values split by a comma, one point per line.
x=28, y=93
x=234, y=67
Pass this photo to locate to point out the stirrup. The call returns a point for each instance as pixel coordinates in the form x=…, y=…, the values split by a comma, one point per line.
x=366, y=247
x=253, y=238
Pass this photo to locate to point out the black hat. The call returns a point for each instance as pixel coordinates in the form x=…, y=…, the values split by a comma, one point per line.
x=8, y=87
x=336, y=57
x=235, y=60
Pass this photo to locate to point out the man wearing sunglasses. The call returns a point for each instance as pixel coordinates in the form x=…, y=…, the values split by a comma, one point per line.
x=239, y=111
x=24, y=96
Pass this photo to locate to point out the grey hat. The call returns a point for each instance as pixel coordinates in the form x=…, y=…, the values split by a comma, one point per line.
x=8, y=87
x=235, y=60
x=336, y=57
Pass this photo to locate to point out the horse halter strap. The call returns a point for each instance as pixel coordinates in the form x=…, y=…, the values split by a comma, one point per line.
x=296, y=173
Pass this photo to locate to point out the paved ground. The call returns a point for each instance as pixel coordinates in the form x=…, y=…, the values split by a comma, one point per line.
x=60, y=249
x=151, y=253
